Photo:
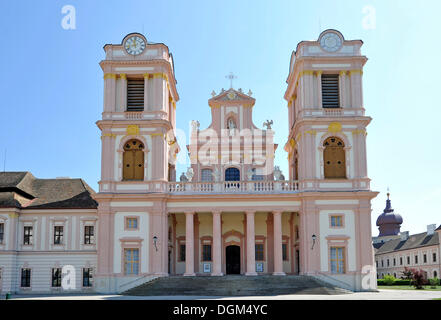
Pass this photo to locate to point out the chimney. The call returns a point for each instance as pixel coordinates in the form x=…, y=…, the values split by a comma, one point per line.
x=404, y=235
x=431, y=229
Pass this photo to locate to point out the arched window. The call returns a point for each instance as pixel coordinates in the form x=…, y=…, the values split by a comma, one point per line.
x=206, y=175
x=133, y=160
x=334, y=158
x=232, y=174
x=435, y=274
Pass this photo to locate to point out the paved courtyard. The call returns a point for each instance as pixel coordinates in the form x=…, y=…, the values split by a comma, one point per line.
x=381, y=295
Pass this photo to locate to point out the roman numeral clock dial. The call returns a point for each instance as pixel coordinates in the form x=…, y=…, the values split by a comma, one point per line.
x=134, y=45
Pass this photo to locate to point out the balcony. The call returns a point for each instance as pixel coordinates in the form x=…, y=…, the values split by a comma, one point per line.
x=235, y=187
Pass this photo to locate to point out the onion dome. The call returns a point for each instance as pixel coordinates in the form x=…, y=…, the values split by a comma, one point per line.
x=389, y=222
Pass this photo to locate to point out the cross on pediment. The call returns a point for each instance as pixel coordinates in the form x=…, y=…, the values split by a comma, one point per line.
x=231, y=77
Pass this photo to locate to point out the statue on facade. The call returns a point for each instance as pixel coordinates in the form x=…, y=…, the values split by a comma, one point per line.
x=183, y=177
x=189, y=174
x=278, y=174
x=268, y=124
x=195, y=125
x=217, y=173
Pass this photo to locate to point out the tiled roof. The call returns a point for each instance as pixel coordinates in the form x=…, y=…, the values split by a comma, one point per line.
x=23, y=190
x=413, y=242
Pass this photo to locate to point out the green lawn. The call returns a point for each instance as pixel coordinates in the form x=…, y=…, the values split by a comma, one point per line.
x=438, y=288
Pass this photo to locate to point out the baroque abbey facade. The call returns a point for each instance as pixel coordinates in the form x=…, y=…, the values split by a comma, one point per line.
x=232, y=212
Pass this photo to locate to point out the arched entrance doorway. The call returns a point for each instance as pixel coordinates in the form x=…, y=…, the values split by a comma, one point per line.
x=232, y=259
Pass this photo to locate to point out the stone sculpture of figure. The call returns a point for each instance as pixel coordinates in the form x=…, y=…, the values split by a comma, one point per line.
x=250, y=173
x=189, y=174
x=268, y=124
x=194, y=125
x=217, y=174
x=183, y=177
x=231, y=126
x=277, y=173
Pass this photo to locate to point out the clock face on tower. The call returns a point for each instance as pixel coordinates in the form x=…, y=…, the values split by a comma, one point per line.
x=134, y=45
x=331, y=42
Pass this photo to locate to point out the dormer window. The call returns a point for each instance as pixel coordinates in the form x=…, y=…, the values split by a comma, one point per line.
x=135, y=94
x=330, y=91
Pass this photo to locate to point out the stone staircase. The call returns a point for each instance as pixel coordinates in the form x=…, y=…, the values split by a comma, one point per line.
x=234, y=285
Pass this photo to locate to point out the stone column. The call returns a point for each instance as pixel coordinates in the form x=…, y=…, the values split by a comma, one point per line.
x=146, y=91
x=217, y=244
x=251, y=245
x=342, y=80
x=123, y=101
x=319, y=89
x=189, y=244
x=278, y=259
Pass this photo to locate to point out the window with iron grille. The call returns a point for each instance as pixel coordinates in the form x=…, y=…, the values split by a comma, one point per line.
x=131, y=261
x=56, y=277
x=58, y=235
x=25, y=278
x=27, y=235
x=206, y=175
x=87, y=277
x=330, y=91
x=88, y=235
x=259, y=252
x=206, y=252
x=135, y=94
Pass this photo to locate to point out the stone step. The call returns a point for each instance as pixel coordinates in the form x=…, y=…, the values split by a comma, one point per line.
x=234, y=286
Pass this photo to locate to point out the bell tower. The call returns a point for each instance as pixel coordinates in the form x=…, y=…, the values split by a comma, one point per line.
x=139, y=116
x=327, y=122
x=138, y=154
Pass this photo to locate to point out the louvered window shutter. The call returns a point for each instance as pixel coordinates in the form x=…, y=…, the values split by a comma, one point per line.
x=135, y=94
x=330, y=91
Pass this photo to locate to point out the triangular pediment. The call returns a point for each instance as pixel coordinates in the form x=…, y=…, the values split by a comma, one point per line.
x=231, y=96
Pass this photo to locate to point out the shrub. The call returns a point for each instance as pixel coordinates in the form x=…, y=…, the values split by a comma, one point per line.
x=434, y=282
x=389, y=280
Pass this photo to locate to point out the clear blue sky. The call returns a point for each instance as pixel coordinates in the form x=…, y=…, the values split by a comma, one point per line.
x=51, y=86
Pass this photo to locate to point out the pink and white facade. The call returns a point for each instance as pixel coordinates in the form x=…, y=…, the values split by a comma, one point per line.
x=232, y=213
x=229, y=214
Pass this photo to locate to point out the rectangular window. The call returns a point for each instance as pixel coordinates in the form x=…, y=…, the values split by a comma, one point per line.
x=87, y=277
x=206, y=175
x=131, y=223
x=2, y=232
x=416, y=259
x=434, y=257
x=135, y=94
x=336, y=221
x=259, y=252
x=337, y=260
x=56, y=277
x=182, y=252
x=27, y=235
x=25, y=278
x=88, y=235
x=408, y=260
x=330, y=91
x=425, y=258
x=131, y=261
x=388, y=262
x=401, y=261
x=58, y=235
x=382, y=263
x=206, y=252
x=284, y=251
x=395, y=262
